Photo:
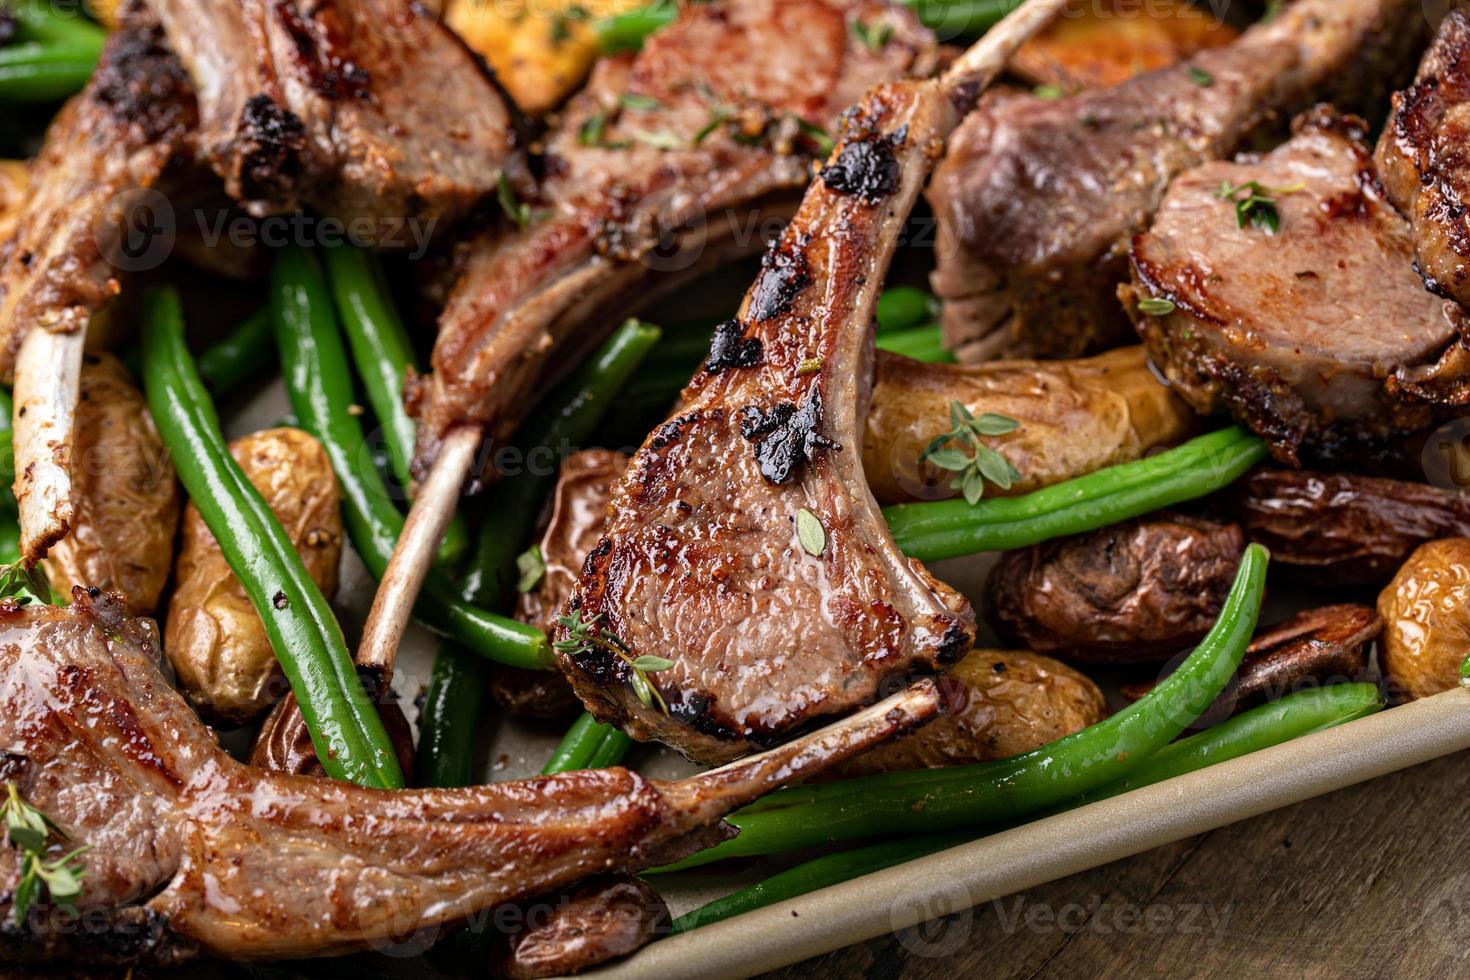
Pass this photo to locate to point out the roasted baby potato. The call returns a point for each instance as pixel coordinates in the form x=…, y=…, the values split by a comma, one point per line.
x=1426, y=619
x=1001, y=704
x=1097, y=45
x=540, y=49
x=1076, y=417
x=214, y=637
x=577, y=513
x=124, y=493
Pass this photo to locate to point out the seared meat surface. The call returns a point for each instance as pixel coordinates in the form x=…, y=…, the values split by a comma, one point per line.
x=743, y=544
x=1307, y=335
x=1037, y=198
x=1133, y=592
x=1340, y=529
x=246, y=864
x=358, y=109
x=1424, y=159
x=669, y=162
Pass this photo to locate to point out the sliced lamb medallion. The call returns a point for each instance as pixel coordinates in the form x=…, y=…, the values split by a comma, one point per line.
x=190, y=850
x=1037, y=198
x=1424, y=159
x=670, y=162
x=1305, y=335
x=359, y=109
x=743, y=544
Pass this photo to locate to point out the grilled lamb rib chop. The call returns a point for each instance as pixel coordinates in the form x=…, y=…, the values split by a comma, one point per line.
x=743, y=543
x=1037, y=198
x=668, y=163
x=88, y=218
x=1424, y=159
x=189, y=848
x=359, y=109
x=1316, y=336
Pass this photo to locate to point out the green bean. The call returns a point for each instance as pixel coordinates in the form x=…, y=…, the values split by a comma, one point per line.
x=314, y=363
x=626, y=32
x=578, y=746
x=39, y=20
x=450, y=717
x=241, y=355
x=383, y=354
x=951, y=19
x=1271, y=724
x=933, y=801
x=35, y=72
x=904, y=307
x=615, y=744
x=345, y=728
x=950, y=528
x=921, y=343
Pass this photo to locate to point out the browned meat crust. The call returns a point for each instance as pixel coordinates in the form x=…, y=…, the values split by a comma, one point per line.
x=1297, y=333
x=1134, y=592
x=89, y=216
x=1424, y=159
x=704, y=563
x=600, y=920
x=669, y=162
x=255, y=865
x=359, y=109
x=1037, y=198
x=1341, y=530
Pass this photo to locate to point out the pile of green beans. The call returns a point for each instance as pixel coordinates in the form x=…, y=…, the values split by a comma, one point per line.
x=1281, y=721
x=383, y=354
x=950, y=528
x=345, y=728
x=51, y=56
x=933, y=801
x=315, y=367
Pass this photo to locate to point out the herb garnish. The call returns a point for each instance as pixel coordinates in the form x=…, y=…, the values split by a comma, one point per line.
x=1258, y=206
x=810, y=533
x=640, y=103
x=592, y=132
x=717, y=118
x=581, y=638
x=515, y=209
x=983, y=463
x=1048, y=92
x=661, y=139
x=29, y=831
x=873, y=36
x=532, y=568
x=823, y=140
x=1200, y=77
x=25, y=584
x=1156, y=306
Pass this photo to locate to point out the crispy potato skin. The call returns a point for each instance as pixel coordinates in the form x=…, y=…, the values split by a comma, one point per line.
x=1426, y=619
x=1001, y=704
x=126, y=497
x=1101, y=45
x=15, y=180
x=1076, y=417
x=215, y=639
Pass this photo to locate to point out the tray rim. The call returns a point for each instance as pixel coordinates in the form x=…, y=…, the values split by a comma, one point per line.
x=1061, y=845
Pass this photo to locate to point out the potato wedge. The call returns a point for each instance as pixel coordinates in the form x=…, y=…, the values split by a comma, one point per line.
x=214, y=638
x=15, y=181
x=1096, y=45
x=540, y=49
x=1002, y=704
x=125, y=495
x=1076, y=417
x=1426, y=619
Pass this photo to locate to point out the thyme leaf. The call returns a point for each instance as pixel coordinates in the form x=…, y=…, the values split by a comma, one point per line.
x=981, y=463
x=585, y=636
x=1255, y=203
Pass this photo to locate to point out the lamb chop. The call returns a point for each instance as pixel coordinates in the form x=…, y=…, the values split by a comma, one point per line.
x=743, y=545
x=1037, y=197
x=1318, y=336
x=668, y=163
x=193, y=851
x=1424, y=164
x=358, y=109
x=91, y=215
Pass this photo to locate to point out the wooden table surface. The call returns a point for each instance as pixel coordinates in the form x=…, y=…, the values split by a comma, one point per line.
x=1371, y=881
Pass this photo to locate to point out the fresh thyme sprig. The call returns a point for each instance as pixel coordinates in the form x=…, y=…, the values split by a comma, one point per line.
x=1258, y=205
x=29, y=831
x=25, y=584
x=582, y=637
x=983, y=463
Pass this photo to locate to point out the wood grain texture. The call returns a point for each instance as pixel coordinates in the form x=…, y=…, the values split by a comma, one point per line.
x=1369, y=881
